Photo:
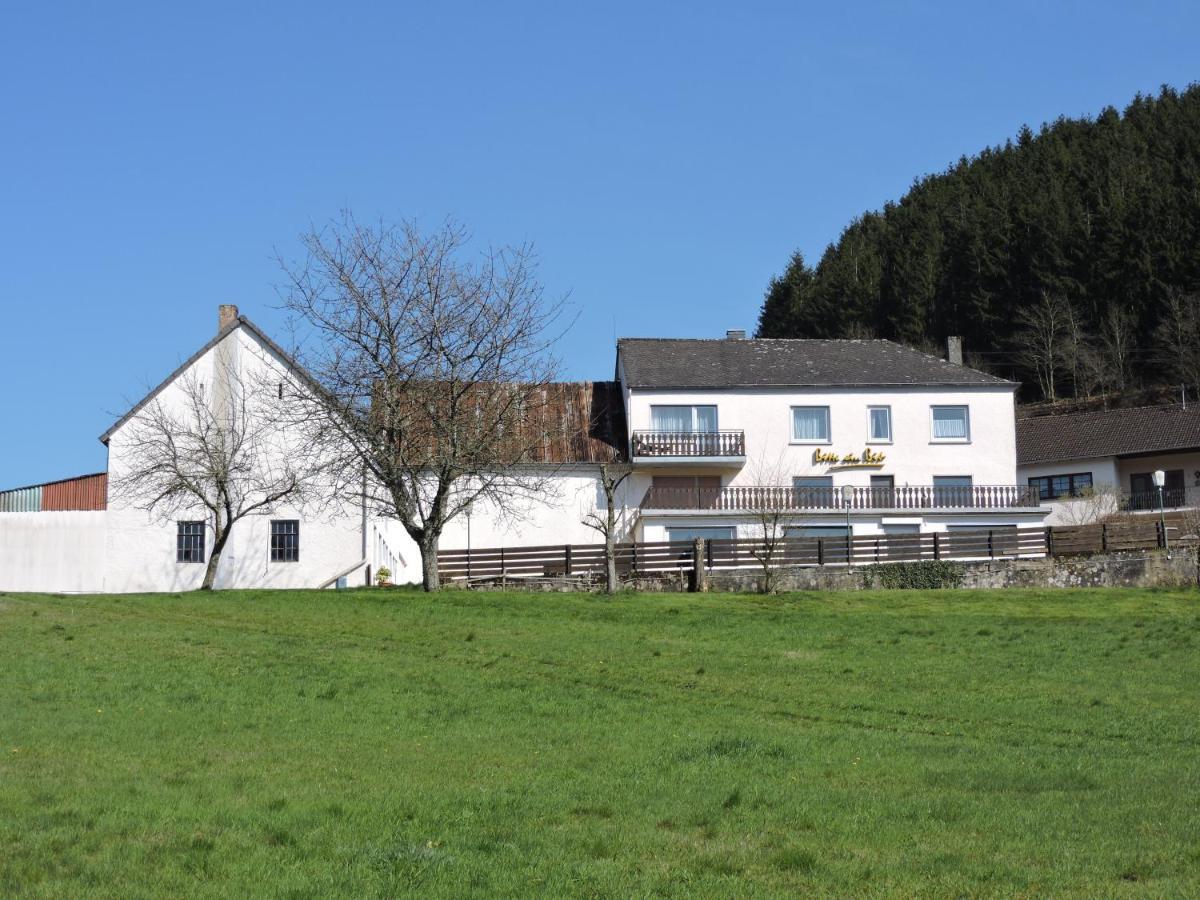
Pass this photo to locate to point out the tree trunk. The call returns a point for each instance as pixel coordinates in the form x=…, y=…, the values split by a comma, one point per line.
x=430, y=580
x=610, y=563
x=214, y=559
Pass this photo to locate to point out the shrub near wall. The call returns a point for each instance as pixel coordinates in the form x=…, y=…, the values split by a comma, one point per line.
x=926, y=575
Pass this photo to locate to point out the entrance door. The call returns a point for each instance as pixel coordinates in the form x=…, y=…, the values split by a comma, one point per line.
x=813, y=491
x=883, y=491
x=686, y=491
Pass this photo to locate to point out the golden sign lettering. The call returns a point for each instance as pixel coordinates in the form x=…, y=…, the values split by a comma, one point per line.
x=868, y=457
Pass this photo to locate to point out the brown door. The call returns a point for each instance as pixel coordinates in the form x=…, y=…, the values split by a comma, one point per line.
x=686, y=491
x=883, y=491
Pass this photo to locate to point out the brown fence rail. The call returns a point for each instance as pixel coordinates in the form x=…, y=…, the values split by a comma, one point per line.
x=732, y=553
x=754, y=498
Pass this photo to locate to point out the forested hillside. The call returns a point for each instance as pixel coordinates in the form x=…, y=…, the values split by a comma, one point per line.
x=1069, y=258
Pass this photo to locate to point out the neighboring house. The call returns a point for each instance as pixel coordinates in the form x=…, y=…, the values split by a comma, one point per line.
x=828, y=435
x=1090, y=464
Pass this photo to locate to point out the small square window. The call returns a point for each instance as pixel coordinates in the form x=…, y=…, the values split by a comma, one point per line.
x=285, y=540
x=951, y=423
x=879, y=424
x=810, y=424
x=189, y=542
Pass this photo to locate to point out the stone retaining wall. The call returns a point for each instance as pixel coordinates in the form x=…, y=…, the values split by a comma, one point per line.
x=1142, y=568
x=1132, y=568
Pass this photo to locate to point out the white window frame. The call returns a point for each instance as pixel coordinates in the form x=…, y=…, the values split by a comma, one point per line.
x=871, y=439
x=933, y=439
x=828, y=426
x=695, y=417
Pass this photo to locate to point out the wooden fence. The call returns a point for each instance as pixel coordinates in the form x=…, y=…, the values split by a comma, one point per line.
x=649, y=558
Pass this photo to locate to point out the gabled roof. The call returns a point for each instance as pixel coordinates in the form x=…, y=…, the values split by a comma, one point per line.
x=1111, y=432
x=239, y=322
x=773, y=362
x=593, y=412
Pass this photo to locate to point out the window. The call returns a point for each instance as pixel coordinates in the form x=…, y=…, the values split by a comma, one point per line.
x=879, y=424
x=814, y=491
x=690, y=534
x=285, y=540
x=810, y=424
x=952, y=490
x=951, y=423
x=189, y=542
x=1050, y=487
x=696, y=419
x=816, y=531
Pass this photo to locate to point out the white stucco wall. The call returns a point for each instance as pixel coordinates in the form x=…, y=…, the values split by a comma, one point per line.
x=913, y=457
x=58, y=552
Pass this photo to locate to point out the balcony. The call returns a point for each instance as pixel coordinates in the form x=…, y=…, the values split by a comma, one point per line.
x=1172, y=498
x=694, y=447
x=818, y=499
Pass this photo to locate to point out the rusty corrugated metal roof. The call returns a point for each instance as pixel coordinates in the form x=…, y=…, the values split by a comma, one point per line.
x=87, y=492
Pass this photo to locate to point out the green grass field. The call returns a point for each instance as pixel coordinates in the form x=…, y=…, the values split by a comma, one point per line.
x=303, y=744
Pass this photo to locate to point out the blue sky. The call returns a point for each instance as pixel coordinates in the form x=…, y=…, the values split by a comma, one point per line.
x=664, y=158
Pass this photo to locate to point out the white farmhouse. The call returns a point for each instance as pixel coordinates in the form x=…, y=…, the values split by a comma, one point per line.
x=868, y=436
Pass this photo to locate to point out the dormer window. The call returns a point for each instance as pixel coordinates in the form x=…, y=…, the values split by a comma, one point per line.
x=692, y=419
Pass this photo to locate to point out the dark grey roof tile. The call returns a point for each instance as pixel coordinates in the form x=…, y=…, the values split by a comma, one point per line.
x=686, y=363
x=1112, y=432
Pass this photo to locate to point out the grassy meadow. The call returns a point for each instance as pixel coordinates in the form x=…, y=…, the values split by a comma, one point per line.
x=378, y=744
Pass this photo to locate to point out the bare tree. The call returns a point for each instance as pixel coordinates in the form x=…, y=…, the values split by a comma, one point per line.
x=214, y=448
x=433, y=372
x=611, y=523
x=1042, y=341
x=1179, y=334
x=772, y=506
x=1114, y=350
x=1080, y=355
x=1099, y=503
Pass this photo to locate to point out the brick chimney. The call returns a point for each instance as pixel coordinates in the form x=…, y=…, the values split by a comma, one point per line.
x=227, y=314
x=954, y=350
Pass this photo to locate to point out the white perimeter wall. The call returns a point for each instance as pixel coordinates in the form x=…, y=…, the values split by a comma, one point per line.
x=59, y=552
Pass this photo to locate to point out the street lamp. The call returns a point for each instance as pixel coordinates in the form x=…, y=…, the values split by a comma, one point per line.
x=847, y=499
x=1160, y=479
x=467, y=511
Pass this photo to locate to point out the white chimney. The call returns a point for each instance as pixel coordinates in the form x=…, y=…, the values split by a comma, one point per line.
x=954, y=350
x=735, y=334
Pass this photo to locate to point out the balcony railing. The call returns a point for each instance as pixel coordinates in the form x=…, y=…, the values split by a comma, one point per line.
x=752, y=499
x=1172, y=498
x=688, y=443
